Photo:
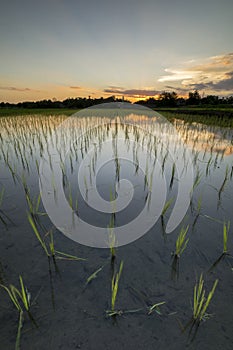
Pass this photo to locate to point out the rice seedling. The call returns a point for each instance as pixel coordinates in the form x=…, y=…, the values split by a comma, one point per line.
x=21, y=300
x=225, y=252
x=33, y=205
x=114, y=290
x=38, y=235
x=181, y=242
x=51, y=251
x=15, y=293
x=167, y=206
x=201, y=302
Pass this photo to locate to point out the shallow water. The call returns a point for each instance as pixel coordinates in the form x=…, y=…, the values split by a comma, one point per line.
x=140, y=147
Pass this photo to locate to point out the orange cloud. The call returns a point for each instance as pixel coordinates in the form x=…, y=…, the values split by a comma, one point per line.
x=213, y=74
x=13, y=88
x=134, y=93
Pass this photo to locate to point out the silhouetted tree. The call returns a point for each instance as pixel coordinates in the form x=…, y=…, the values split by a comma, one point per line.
x=168, y=99
x=194, y=98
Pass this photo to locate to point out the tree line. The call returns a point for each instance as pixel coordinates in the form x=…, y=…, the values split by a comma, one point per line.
x=78, y=102
x=165, y=99
x=171, y=99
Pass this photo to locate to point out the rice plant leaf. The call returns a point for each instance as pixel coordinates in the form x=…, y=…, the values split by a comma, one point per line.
x=210, y=296
x=93, y=275
x=12, y=297
x=167, y=206
x=24, y=294
x=115, y=285
x=155, y=307
x=181, y=242
x=68, y=256
x=20, y=325
x=200, y=302
x=226, y=228
x=33, y=225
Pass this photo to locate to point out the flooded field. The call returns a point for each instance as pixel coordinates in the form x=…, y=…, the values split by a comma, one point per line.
x=115, y=231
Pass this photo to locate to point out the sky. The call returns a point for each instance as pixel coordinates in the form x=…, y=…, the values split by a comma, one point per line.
x=137, y=49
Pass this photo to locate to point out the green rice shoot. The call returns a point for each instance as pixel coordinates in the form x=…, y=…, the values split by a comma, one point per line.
x=181, y=241
x=200, y=302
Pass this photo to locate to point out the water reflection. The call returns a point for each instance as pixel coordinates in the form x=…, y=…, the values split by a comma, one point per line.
x=135, y=148
x=140, y=153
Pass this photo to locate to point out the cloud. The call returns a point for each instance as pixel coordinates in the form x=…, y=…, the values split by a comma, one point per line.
x=224, y=84
x=133, y=92
x=176, y=75
x=13, y=88
x=115, y=87
x=213, y=74
x=176, y=88
x=75, y=87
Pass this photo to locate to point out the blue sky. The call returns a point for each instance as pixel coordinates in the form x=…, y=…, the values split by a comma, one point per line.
x=61, y=49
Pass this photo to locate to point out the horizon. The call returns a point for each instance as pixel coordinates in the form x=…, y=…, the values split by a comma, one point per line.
x=124, y=99
x=58, y=49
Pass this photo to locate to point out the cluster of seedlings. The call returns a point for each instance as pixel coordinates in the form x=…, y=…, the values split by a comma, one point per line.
x=32, y=140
